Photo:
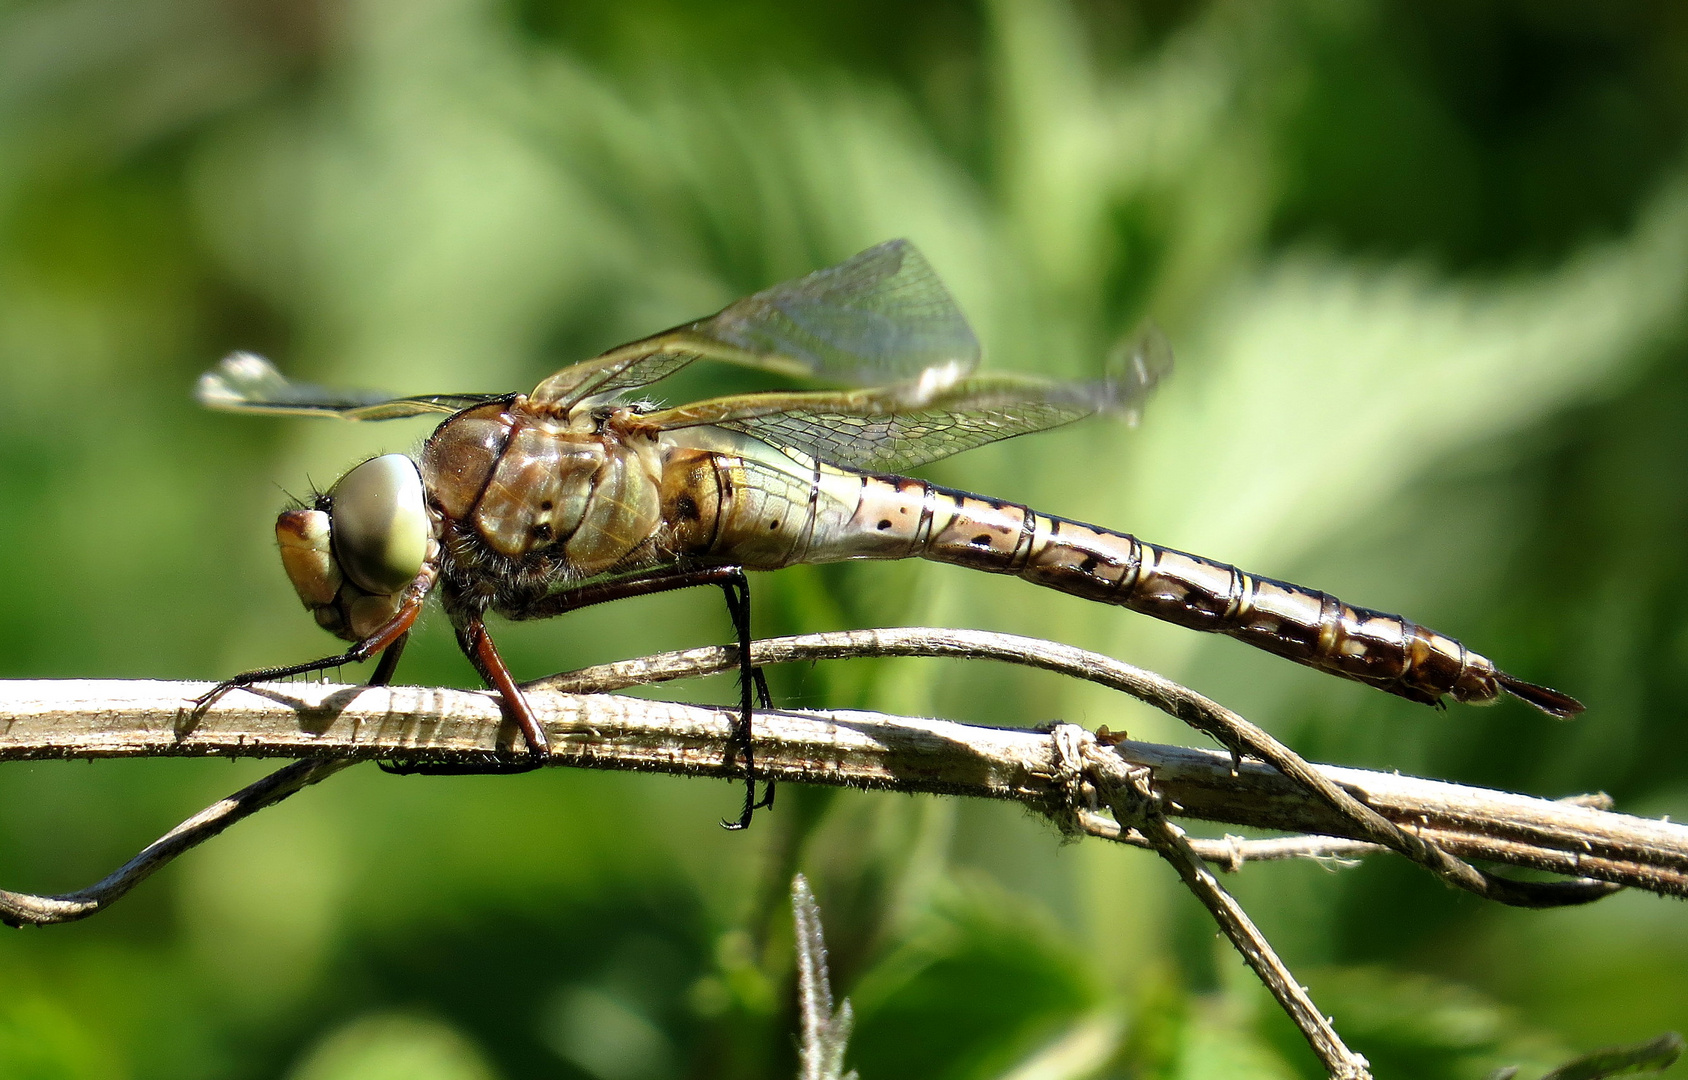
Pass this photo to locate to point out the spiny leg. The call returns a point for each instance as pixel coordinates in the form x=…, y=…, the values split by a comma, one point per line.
x=389, y=661
x=477, y=645
x=737, y=592
x=734, y=584
x=389, y=640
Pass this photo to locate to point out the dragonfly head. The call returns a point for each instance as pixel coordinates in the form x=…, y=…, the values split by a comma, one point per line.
x=352, y=554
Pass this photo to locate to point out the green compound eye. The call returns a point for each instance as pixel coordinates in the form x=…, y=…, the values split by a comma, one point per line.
x=380, y=524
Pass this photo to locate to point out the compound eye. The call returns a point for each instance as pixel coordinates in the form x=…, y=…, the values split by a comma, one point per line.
x=380, y=524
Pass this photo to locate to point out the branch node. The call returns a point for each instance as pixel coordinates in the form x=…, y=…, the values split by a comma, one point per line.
x=1073, y=791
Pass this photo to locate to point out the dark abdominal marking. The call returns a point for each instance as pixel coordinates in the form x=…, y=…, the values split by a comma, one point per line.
x=885, y=523
x=982, y=540
x=546, y=505
x=685, y=508
x=1088, y=564
x=773, y=525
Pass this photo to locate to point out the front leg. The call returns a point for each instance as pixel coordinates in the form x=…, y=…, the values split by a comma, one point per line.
x=389, y=661
x=388, y=640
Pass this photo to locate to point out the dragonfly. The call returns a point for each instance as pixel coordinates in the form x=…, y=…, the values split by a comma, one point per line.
x=530, y=506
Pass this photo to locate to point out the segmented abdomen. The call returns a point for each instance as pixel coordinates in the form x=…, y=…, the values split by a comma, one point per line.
x=764, y=520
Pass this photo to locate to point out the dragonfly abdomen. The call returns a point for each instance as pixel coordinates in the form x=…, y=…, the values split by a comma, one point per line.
x=1305, y=625
x=733, y=509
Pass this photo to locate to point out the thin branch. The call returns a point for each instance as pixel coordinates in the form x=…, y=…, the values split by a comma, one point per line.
x=1230, y=853
x=1135, y=802
x=1226, y=727
x=1065, y=772
x=20, y=909
x=417, y=724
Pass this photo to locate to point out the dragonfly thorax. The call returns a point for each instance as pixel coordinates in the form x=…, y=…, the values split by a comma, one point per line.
x=352, y=555
x=582, y=497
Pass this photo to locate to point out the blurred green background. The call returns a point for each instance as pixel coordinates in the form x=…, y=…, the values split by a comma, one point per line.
x=1424, y=264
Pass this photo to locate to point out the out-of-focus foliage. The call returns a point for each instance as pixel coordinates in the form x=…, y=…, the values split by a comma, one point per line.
x=1425, y=266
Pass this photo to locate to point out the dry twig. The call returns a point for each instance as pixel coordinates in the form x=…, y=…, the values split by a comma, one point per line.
x=1066, y=772
x=1132, y=798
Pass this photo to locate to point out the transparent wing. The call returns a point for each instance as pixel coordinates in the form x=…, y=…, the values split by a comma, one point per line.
x=1136, y=365
x=882, y=316
x=888, y=429
x=246, y=382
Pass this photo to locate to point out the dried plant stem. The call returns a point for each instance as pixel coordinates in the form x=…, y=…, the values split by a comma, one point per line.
x=823, y=1032
x=1065, y=771
x=1129, y=792
x=25, y=909
x=414, y=724
x=1226, y=727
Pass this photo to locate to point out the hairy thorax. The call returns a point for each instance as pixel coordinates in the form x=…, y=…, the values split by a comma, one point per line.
x=531, y=502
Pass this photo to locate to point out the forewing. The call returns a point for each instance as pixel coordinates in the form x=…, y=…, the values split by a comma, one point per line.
x=882, y=316
x=900, y=427
x=245, y=382
x=625, y=367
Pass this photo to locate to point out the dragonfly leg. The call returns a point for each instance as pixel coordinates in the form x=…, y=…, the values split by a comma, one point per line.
x=477, y=646
x=623, y=588
x=733, y=583
x=737, y=591
x=389, y=640
x=389, y=661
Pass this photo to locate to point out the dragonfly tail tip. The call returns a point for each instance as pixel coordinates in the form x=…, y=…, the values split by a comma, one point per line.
x=1551, y=702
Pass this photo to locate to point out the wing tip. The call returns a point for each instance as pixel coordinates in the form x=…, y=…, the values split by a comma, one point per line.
x=230, y=383
x=1135, y=366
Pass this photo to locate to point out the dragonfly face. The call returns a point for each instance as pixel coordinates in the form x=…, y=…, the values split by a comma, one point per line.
x=352, y=555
